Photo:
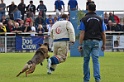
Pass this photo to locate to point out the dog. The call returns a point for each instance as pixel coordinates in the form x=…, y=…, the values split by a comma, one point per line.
x=40, y=55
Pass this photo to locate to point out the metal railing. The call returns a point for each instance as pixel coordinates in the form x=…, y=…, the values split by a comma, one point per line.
x=8, y=42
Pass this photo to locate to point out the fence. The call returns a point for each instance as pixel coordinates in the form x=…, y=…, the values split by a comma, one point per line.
x=110, y=41
x=8, y=42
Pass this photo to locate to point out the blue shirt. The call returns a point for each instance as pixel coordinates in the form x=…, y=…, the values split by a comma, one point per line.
x=58, y=4
x=72, y=4
x=17, y=15
x=82, y=26
x=47, y=20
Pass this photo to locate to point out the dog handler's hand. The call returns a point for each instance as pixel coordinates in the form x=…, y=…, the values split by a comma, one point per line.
x=79, y=48
x=103, y=47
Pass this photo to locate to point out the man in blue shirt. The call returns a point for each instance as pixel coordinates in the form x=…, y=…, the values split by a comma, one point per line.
x=59, y=7
x=17, y=14
x=72, y=5
x=92, y=32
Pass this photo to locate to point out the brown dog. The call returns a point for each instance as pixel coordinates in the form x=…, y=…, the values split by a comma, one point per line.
x=40, y=55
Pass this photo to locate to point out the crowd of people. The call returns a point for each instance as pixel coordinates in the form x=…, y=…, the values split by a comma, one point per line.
x=22, y=18
x=113, y=22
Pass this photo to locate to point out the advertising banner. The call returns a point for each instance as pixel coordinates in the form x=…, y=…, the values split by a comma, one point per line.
x=28, y=43
x=118, y=41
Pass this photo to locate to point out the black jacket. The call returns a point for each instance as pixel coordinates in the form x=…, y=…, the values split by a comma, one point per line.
x=93, y=26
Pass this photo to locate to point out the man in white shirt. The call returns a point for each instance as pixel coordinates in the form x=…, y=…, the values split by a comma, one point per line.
x=62, y=33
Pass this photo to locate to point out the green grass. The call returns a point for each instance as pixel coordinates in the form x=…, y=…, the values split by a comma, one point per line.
x=112, y=69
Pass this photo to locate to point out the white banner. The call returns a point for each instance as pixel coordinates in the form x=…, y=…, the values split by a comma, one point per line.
x=118, y=41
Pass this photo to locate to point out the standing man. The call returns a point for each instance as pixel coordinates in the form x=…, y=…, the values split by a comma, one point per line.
x=41, y=8
x=11, y=8
x=22, y=8
x=62, y=33
x=72, y=5
x=59, y=7
x=92, y=32
x=2, y=9
x=31, y=9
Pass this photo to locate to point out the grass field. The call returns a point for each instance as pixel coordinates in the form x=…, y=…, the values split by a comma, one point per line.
x=112, y=69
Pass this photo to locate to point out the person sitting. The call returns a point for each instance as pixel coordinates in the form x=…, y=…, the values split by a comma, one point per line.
x=49, y=18
x=110, y=26
x=26, y=28
x=106, y=18
x=40, y=29
x=39, y=20
x=17, y=29
x=2, y=29
x=33, y=29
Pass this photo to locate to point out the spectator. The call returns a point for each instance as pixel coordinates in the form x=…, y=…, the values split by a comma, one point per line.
x=72, y=5
x=26, y=27
x=10, y=25
x=11, y=9
x=17, y=29
x=88, y=2
x=33, y=29
x=16, y=14
x=59, y=7
x=116, y=18
x=21, y=23
x=2, y=28
x=49, y=18
x=55, y=19
x=29, y=18
x=22, y=8
x=2, y=9
x=3, y=19
x=39, y=20
x=31, y=9
x=106, y=18
x=42, y=9
x=117, y=27
x=111, y=17
x=40, y=29
x=110, y=26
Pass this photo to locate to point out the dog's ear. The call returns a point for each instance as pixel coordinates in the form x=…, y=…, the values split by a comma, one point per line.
x=46, y=44
x=40, y=44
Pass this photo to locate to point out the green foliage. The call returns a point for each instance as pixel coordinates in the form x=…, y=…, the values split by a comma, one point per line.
x=112, y=68
x=80, y=15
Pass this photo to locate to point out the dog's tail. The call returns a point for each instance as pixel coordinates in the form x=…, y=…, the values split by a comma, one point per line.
x=23, y=70
x=18, y=74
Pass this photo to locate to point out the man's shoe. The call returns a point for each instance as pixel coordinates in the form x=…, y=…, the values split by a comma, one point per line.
x=49, y=66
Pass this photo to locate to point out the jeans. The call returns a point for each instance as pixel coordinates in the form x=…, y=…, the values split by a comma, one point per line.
x=91, y=48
